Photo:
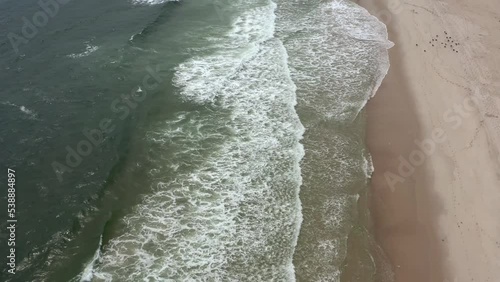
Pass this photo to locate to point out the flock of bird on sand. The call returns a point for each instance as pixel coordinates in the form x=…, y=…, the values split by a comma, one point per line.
x=448, y=42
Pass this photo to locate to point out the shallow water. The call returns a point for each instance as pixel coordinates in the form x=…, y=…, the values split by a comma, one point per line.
x=338, y=57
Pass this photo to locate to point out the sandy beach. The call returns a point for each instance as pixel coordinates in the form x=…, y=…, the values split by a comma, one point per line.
x=434, y=135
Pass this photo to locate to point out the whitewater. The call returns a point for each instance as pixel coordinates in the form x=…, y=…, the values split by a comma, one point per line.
x=224, y=202
x=232, y=211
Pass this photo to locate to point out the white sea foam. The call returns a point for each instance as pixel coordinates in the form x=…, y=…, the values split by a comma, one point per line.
x=89, y=49
x=7, y=103
x=26, y=110
x=202, y=79
x=369, y=168
x=30, y=113
x=338, y=58
x=336, y=46
x=88, y=271
x=152, y=2
x=232, y=211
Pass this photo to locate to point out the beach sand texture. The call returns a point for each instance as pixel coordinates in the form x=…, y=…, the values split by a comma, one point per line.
x=434, y=135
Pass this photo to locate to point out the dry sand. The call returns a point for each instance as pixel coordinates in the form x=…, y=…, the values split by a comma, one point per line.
x=440, y=221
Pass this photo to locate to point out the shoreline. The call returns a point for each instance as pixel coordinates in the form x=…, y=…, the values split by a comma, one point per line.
x=392, y=125
x=428, y=221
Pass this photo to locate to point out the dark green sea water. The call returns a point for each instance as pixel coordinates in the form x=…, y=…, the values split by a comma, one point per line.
x=187, y=141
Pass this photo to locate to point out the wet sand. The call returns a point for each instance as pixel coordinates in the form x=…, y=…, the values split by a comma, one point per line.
x=433, y=132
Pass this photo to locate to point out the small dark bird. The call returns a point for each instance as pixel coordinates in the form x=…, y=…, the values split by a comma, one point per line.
x=425, y=51
x=416, y=44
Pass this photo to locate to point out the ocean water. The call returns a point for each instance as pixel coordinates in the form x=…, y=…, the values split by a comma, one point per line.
x=237, y=144
x=338, y=58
